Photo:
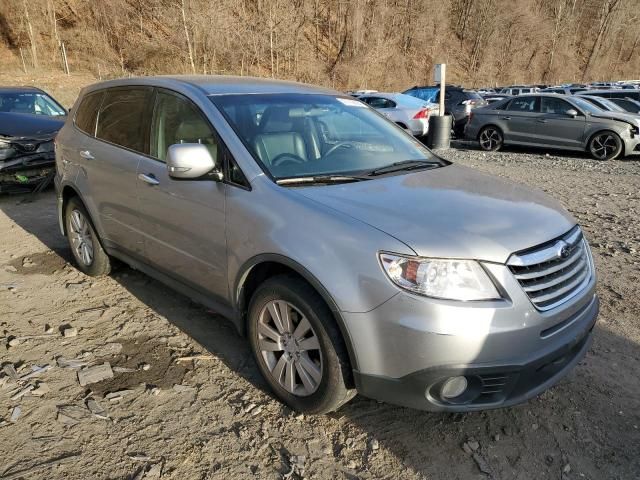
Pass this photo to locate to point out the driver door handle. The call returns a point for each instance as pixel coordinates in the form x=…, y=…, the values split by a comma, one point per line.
x=541, y=120
x=86, y=154
x=148, y=178
x=505, y=118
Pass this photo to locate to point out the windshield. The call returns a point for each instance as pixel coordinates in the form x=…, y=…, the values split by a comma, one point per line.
x=585, y=105
x=612, y=106
x=301, y=135
x=29, y=102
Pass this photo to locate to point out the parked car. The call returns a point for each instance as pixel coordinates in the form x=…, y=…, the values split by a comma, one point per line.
x=358, y=93
x=617, y=93
x=351, y=256
x=519, y=90
x=608, y=105
x=494, y=97
x=628, y=105
x=564, y=90
x=458, y=102
x=406, y=111
x=555, y=121
x=29, y=121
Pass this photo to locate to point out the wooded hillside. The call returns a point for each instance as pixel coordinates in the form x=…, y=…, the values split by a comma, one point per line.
x=383, y=44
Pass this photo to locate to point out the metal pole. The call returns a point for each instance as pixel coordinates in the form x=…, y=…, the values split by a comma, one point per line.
x=443, y=71
x=64, y=59
x=24, y=64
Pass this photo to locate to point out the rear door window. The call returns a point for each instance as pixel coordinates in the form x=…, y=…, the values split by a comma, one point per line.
x=87, y=112
x=122, y=119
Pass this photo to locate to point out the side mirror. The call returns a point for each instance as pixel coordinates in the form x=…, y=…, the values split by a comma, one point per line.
x=572, y=112
x=190, y=160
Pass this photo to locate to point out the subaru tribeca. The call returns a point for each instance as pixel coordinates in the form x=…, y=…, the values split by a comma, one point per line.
x=351, y=257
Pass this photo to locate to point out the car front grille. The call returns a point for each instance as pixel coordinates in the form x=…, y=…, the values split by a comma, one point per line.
x=553, y=273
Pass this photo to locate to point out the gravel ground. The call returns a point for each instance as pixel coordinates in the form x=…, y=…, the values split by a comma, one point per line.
x=213, y=418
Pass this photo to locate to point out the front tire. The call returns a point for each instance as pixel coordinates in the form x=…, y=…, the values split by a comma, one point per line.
x=605, y=145
x=298, y=346
x=90, y=257
x=490, y=139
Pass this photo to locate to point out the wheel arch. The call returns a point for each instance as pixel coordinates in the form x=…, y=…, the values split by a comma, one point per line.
x=603, y=130
x=402, y=125
x=264, y=266
x=68, y=192
x=494, y=125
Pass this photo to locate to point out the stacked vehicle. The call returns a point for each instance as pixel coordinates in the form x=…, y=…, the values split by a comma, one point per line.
x=29, y=122
x=558, y=122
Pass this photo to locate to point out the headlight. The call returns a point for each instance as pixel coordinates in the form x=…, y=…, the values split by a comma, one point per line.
x=440, y=278
x=6, y=150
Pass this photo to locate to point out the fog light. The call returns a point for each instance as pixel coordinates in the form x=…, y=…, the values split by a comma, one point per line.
x=453, y=387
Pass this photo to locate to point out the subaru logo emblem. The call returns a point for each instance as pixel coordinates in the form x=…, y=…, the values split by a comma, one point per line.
x=564, y=249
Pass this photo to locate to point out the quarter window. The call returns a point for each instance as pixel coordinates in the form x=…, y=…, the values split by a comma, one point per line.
x=88, y=112
x=177, y=120
x=122, y=117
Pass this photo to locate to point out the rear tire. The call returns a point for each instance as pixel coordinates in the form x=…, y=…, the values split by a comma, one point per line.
x=298, y=346
x=605, y=145
x=490, y=139
x=89, y=256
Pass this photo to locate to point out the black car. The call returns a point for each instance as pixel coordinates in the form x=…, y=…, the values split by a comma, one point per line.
x=29, y=122
x=458, y=102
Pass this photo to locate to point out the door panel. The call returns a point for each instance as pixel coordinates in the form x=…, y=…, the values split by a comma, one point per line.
x=557, y=129
x=111, y=186
x=183, y=224
x=110, y=162
x=519, y=120
x=182, y=221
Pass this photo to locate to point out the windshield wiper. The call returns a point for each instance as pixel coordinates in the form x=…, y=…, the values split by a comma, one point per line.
x=404, y=165
x=319, y=179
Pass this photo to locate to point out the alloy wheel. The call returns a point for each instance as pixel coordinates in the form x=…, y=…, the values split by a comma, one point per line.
x=490, y=139
x=604, y=146
x=81, y=240
x=290, y=348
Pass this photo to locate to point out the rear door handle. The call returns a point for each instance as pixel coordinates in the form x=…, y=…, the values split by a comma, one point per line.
x=505, y=118
x=86, y=154
x=541, y=121
x=148, y=178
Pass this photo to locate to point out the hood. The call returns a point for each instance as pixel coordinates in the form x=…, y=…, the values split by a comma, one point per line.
x=452, y=211
x=29, y=126
x=629, y=118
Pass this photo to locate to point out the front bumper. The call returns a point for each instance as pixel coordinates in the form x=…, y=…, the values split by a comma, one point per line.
x=631, y=144
x=25, y=172
x=491, y=385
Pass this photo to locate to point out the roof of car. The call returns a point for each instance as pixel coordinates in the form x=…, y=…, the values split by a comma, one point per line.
x=19, y=89
x=219, y=84
x=597, y=91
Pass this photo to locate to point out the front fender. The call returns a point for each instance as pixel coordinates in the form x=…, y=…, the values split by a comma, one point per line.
x=337, y=252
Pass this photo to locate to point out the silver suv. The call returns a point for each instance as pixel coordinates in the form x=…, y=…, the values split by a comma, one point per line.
x=350, y=256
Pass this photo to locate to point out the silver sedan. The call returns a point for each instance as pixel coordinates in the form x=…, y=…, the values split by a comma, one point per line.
x=408, y=112
x=555, y=121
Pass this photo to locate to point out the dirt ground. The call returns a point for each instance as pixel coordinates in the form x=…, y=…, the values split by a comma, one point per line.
x=220, y=422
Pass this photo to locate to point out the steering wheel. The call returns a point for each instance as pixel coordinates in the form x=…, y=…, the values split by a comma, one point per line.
x=287, y=158
x=336, y=147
